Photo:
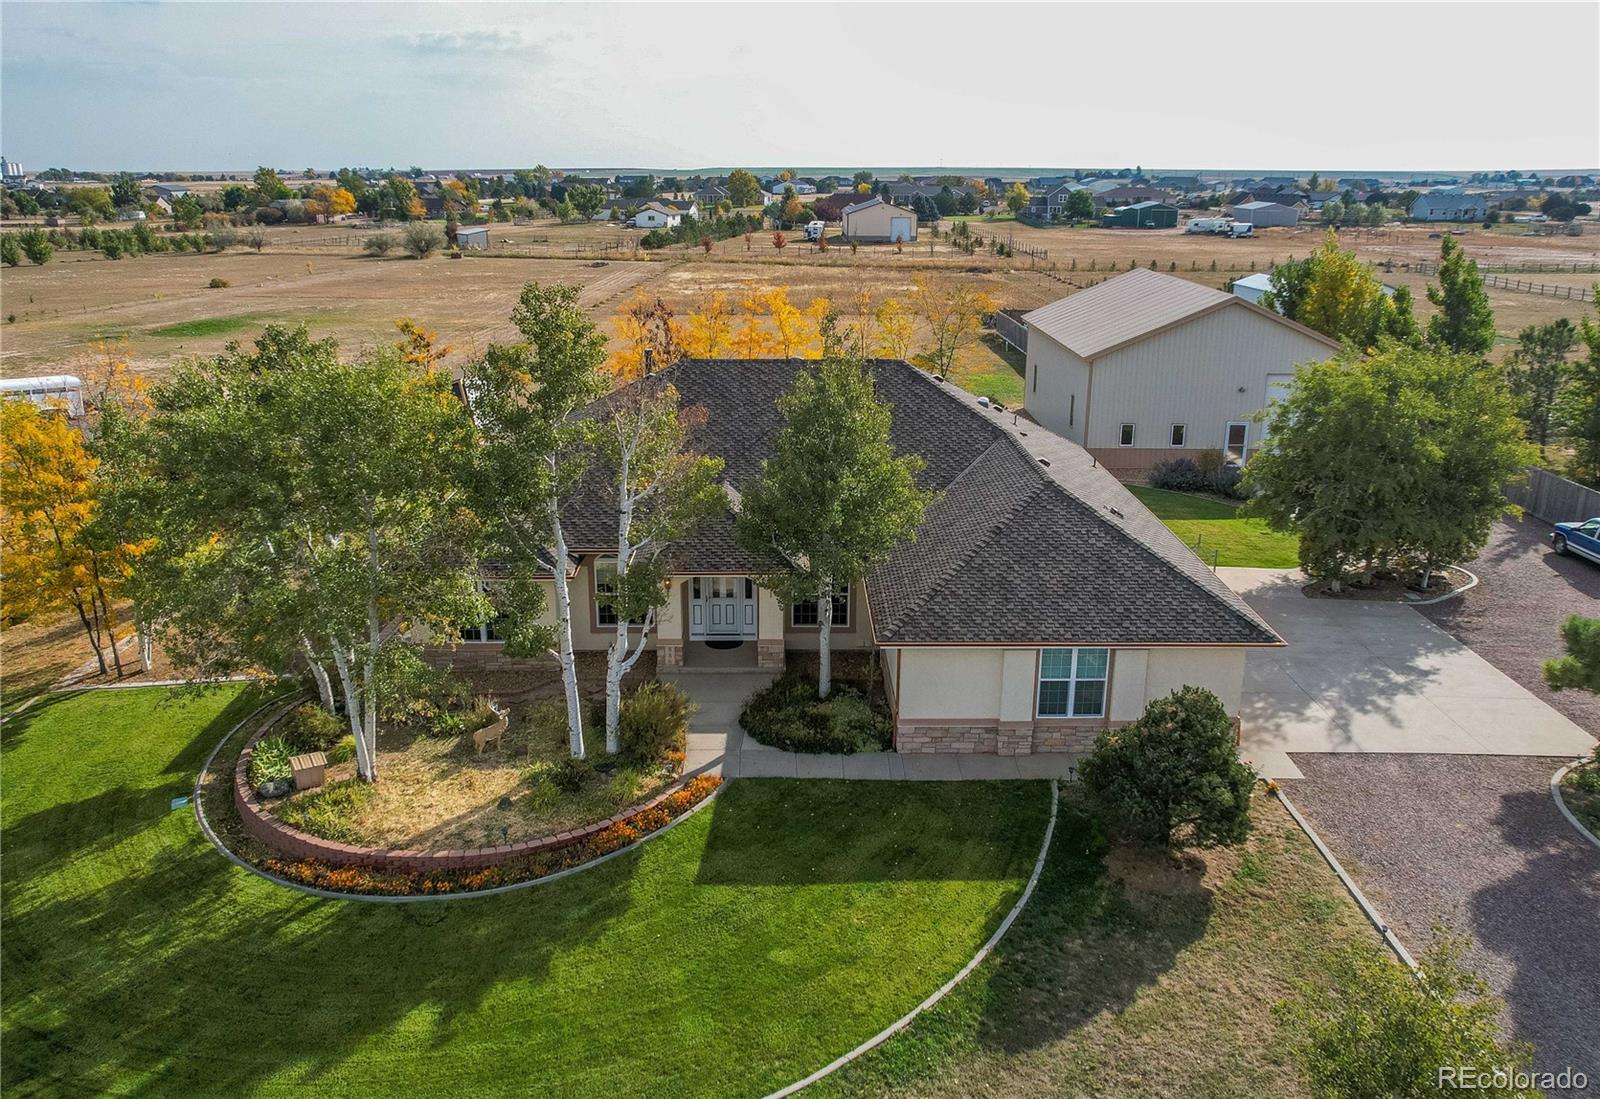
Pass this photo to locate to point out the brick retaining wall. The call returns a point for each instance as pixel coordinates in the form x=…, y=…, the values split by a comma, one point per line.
x=998, y=738
x=292, y=843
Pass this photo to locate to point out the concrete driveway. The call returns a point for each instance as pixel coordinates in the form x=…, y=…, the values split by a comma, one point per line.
x=1378, y=677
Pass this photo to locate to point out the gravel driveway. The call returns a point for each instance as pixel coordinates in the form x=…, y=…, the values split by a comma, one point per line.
x=1476, y=843
x=1513, y=619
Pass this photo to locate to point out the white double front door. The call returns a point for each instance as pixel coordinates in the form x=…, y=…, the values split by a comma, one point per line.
x=721, y=607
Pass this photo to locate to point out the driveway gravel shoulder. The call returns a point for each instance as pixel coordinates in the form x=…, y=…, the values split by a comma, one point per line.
x=1476, y=843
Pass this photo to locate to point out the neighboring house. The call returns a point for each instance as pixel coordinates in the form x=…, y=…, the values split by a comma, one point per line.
x=171, y=192
x=664, y=214
x=1130, y=195
x=1039, y=602
x=1142, y=215
x=1051, y=202
x=873, y=219
x=1148, y=366
x=473, y=237
x=712, y=196
x=1265, y=214
x=1449, y=204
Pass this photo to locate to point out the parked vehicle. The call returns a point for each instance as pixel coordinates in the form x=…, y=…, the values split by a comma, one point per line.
x=1208, y=225
x=814, y=230
x=1241, y=229
x=1582, y=539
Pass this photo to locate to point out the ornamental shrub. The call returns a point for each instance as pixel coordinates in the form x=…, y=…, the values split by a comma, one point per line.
x=789, y=715
x=328, y=812
x=1178, y=475
x=654, y=721
x=1173, y=778
x=1378, y=1032
x=270, y=761
x=343, y=750
x=570, y=774
x=310, y=728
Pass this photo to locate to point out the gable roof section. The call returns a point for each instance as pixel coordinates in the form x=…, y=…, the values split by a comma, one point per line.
x=1011, y=551
x=875, y=200
x=1017, y=551
x=1095, y=322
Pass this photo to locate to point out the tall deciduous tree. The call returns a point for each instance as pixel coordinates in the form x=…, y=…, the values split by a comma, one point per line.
x=833, y=499
x=1464, y=323
x=55, y=558
x=1016, y=198
x=743, y=188
x=953, y=311
x=1393, y=461
x=301, y=508
x=1335, y=293
x=1538, y=372
x=663, y=490
x=534, y=450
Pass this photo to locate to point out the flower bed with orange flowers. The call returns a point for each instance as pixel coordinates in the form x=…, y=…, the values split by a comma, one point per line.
x=383, y=879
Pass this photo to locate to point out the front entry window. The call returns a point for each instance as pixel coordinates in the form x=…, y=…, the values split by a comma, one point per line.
x=805, y=611
x=1238, y=439
x=1072, y=682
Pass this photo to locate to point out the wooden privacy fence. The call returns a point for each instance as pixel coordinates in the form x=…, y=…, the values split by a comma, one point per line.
x=1544, y=495
x=1007, y=324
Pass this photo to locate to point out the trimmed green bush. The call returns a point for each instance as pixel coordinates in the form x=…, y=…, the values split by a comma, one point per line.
x=569, y=775
x=310, y=728
x=329, y=811
x=789, y=715
x=1173, y=778
x=270, y=762
x=654, y=721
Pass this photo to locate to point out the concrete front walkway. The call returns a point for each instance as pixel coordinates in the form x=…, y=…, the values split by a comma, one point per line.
x=718, y=746
x=1362, y=676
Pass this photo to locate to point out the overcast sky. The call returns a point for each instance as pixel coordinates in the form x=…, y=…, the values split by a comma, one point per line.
x=1281, y=85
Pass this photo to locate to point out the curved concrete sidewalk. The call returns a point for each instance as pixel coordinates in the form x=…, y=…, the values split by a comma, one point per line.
x=717, y=745
x=1378, y=677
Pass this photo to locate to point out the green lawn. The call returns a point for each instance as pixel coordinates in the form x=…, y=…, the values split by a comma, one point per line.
x=993, y=370
x=1128, y=975
x=751, y=944
x=209, y=326
x=1214, y=527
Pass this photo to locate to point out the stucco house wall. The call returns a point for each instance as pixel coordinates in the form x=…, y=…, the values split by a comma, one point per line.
x=984, y=699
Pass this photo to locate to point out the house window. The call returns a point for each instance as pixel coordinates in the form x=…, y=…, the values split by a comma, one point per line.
x=492, y=630
x=1178, y=433
x=1238, y=438
x=1125, y=435
x=605, y=585
x=804, y=613
x=1072, y=682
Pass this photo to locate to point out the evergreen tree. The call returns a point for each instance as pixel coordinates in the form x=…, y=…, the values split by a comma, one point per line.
x=1465, y=323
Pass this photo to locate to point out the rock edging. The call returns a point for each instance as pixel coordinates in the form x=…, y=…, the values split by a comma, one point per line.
x=294, y=844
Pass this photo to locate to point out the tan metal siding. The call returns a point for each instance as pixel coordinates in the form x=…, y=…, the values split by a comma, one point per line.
x=1202, y=373
x=1056, y=386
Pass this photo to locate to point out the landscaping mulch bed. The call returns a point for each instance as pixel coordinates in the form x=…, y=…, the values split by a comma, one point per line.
x=1388, y=589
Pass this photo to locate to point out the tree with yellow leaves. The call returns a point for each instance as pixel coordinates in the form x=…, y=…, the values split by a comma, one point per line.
x=751, y=339
x=55, y=559
x=653, y=338
x=328, y=202
x=710, y=334
x=953, y=310
x=419, y=345
x=858, y=334
x=109, y=378
x=790, y=328
x=895, y=326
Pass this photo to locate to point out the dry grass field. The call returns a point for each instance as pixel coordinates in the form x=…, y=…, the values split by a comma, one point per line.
x=162, y=307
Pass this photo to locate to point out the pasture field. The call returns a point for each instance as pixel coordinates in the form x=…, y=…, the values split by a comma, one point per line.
x=162, y=305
